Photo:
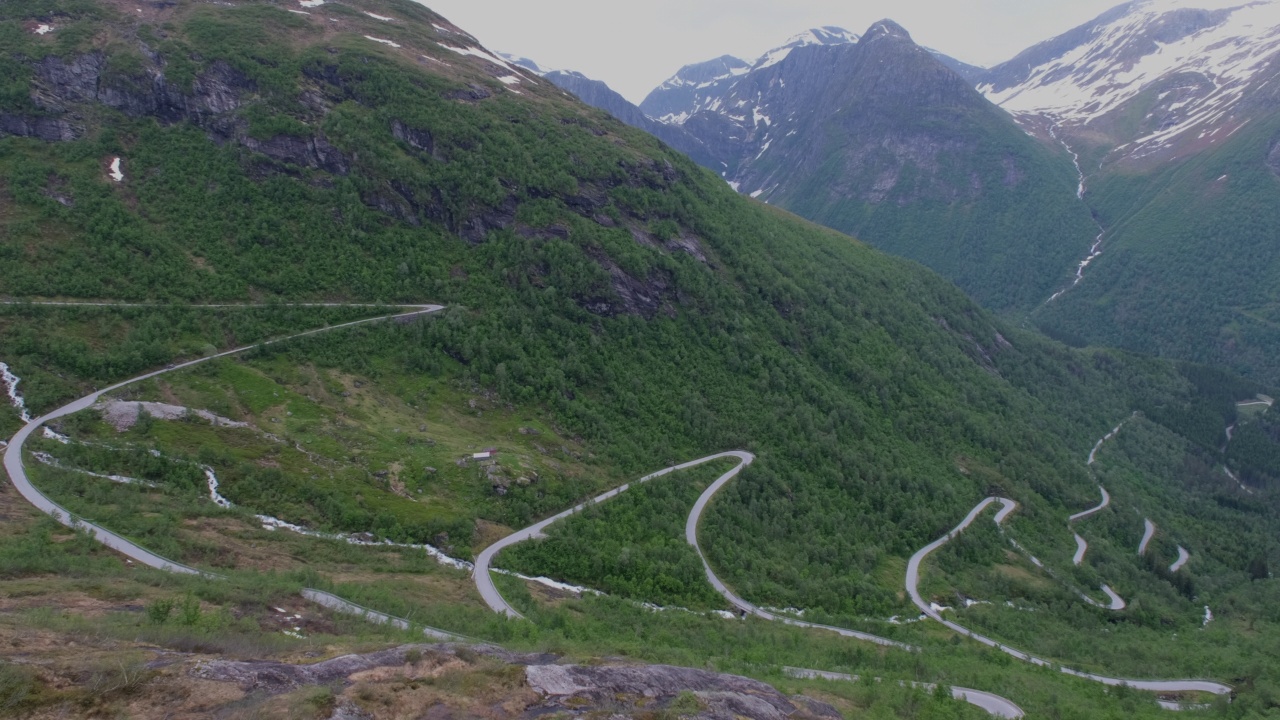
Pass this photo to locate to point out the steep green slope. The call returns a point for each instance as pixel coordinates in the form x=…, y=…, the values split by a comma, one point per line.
x=630, y=302
x=882, y=141
x=1190, y=265
x=903, y=153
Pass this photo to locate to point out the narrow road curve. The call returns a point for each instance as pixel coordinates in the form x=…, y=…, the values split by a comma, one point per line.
x=1116, y=602
x=1148, y=532
x=1082, y=546
x=912, y=586
x=1106, y=500
x=18, y=473
x=995, y=705
x=1183, y=557
x=484, y=579
x=691, y=536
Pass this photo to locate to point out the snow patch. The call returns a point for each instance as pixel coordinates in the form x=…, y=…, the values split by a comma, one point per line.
x=509, y=80
x=43, y=30
x=310, y=3
x=383, y=18
x=116, y=173
x=384, y=41
x=1208, y=616
x=477, y=52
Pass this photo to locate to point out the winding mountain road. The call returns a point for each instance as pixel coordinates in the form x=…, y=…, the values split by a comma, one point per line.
x=1148, y=532
x=1106, y=500
x=1008, y=506
x=484, y=578
x=1082, y=546
x=18, y=473
x=691, y=537
x=13, y=464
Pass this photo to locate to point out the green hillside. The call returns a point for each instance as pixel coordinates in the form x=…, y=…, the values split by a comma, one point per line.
x=1190, y=263
x=611, y=309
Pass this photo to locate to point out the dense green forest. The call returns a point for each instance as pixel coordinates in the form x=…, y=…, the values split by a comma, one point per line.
x=1010, y=244
x=1189, y=264
x=612, y=309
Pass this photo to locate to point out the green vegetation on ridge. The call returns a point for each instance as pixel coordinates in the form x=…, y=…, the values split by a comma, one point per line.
x=601, y=288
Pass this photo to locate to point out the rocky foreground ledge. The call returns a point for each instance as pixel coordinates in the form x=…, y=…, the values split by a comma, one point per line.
x=379, y=684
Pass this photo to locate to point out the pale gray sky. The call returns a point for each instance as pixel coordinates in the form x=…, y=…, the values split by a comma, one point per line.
x=634, y=45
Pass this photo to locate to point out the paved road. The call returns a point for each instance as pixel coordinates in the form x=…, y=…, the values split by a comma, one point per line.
x=495, y=601
x=993, y=704
x=1106, y=500
x=1183, y=557
x=912, y=586
x=691, y=536
x=18, y=474
x=1148, y=532
x=484, y=579
x=1082, y=546
x=333, y=602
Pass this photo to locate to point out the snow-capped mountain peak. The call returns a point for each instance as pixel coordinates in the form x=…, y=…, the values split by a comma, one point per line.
x=697, y=87
x=828, y=35
x=1200, y=58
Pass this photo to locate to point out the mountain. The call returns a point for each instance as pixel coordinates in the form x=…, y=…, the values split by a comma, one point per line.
x=701, y=86
x=1149, y=80
x=692, y=88
x=200, y=176
x=1170, y=108
x=878, y=138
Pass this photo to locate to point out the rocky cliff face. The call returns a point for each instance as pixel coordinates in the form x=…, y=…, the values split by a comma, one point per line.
x=63, y=87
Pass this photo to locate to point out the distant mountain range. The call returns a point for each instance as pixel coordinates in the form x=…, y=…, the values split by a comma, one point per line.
x=1155, y=124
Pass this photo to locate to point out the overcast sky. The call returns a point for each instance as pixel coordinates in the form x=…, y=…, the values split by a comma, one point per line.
x=634, y=45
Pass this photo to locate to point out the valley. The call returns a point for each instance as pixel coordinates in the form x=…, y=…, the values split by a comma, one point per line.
x=254, y=475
